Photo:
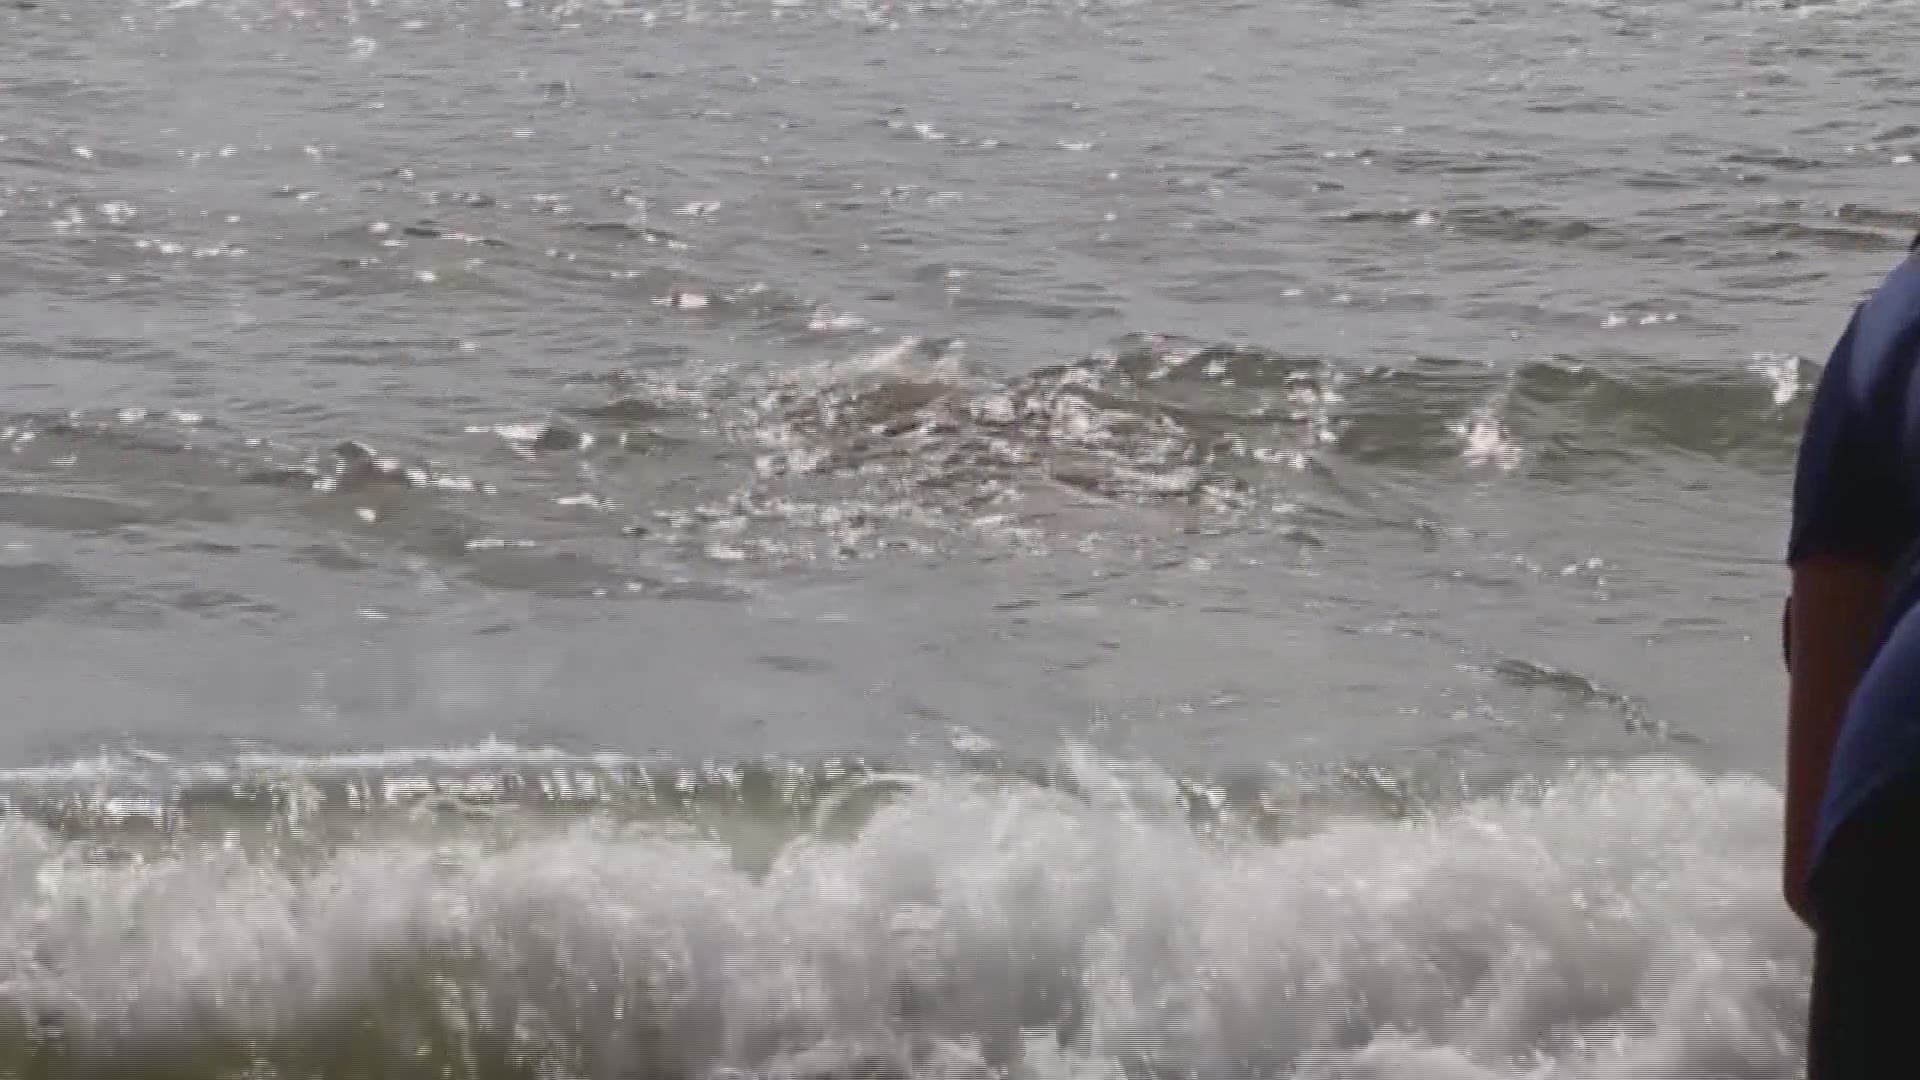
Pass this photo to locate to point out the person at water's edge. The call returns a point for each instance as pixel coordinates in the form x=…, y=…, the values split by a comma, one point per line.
x=1851, y=633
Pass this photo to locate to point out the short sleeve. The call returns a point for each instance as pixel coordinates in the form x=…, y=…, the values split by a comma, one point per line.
x=1847, y=495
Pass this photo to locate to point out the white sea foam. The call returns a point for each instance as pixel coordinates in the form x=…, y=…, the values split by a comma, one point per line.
x=1615, y=923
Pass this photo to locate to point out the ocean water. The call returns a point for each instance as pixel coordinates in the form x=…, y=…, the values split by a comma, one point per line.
x=852, y=539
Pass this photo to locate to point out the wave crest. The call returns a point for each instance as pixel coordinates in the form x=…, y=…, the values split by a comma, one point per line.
x=1610, y=923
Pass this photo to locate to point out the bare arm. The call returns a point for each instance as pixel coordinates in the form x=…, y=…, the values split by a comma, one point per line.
x=1836, y=607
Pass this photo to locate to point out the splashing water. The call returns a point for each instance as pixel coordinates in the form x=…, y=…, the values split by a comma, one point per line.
x=1610, y=924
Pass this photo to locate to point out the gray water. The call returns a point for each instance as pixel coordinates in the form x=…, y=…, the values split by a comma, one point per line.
x=943, y=539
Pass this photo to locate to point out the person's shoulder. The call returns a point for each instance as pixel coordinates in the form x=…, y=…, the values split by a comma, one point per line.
x=1896, y=298
x=1885, y=331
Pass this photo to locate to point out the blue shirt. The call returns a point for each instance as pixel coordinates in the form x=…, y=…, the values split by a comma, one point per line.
x=1856, y=492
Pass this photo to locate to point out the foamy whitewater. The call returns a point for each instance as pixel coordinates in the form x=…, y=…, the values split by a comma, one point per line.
x=1610, y=923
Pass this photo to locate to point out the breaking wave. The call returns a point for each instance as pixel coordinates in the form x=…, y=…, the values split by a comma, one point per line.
x=1604, y=923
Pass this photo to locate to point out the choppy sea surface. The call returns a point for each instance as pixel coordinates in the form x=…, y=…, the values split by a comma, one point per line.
x=1015, y=539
